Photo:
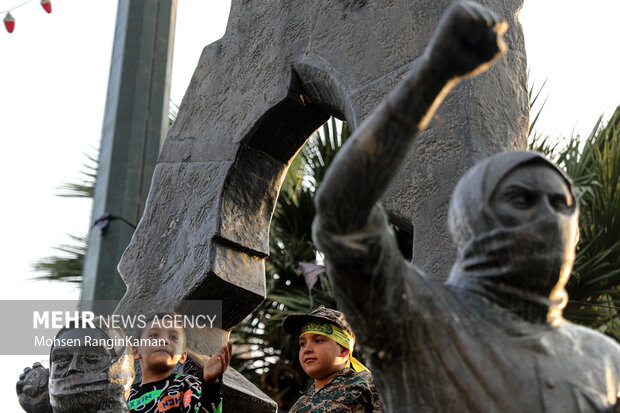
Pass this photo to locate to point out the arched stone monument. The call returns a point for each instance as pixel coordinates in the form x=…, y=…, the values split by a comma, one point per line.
x=279, y=72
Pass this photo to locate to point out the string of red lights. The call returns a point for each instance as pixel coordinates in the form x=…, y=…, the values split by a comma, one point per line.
x=9, y=20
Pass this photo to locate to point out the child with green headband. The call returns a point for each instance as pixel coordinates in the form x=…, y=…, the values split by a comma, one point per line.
x=341, y=383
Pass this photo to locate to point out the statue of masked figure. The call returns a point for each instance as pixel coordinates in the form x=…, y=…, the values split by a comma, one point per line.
x=492, y=338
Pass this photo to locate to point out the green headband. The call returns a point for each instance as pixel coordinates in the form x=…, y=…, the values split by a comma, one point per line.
x=338, y=335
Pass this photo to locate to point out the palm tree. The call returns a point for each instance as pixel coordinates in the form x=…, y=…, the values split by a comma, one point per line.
x=594, y=166
x=68, y=266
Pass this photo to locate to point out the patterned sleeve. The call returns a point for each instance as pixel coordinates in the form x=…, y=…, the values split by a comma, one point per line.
x=371, y=401
x=377, y=406
x=201, y=397
x=191, y=394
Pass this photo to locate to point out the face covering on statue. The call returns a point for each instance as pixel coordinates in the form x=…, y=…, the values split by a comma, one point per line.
x=522, y=266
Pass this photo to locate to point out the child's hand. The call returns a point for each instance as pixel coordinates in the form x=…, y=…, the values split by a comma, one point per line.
x=216, y=365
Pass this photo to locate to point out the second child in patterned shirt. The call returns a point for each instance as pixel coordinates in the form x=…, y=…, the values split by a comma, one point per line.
x=162, y=391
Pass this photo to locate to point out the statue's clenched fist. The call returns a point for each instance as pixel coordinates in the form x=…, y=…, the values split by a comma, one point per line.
x=467, y=41
x=32, y=389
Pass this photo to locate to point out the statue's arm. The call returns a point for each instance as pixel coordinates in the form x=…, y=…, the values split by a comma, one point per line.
x=466, y=42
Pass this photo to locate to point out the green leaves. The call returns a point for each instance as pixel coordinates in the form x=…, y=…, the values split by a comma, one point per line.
x=85, y=188
x=270, y=358
x=594, y=166
x=67, y=266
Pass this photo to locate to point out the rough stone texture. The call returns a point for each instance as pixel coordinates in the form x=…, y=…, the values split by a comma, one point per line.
x=278, y=73
x=236, y=401
x=497, y=119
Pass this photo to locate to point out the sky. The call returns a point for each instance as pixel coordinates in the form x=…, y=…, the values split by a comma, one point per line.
x=54, y=71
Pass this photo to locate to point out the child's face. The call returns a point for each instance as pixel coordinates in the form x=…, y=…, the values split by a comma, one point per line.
x=167, y=354
x=321, y=357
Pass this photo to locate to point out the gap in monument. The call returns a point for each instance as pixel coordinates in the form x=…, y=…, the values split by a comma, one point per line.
x=290, y=229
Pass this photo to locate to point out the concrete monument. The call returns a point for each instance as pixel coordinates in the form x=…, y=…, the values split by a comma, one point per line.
x=279, y=72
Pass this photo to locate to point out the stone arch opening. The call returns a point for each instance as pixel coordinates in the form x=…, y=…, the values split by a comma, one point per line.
x=252, y=184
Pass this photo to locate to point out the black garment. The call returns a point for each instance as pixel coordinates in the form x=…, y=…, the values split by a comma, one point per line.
x=178, y=393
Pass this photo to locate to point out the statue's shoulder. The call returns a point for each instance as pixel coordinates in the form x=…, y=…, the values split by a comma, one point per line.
x=591, y=341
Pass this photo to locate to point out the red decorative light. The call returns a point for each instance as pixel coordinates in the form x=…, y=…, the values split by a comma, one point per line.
x=9, y=23
x=47, y=5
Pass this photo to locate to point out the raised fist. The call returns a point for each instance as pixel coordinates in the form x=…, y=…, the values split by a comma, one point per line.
x=467, y=40
x=32, y=389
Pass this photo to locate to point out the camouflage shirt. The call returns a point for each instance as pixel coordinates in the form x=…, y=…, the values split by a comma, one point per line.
x=348, y=392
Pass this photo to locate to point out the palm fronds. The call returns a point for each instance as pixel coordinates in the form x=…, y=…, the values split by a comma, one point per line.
x=268, y=355
x=594, y=166
x=86, y=187
x=533, y=97
x=68, y=266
